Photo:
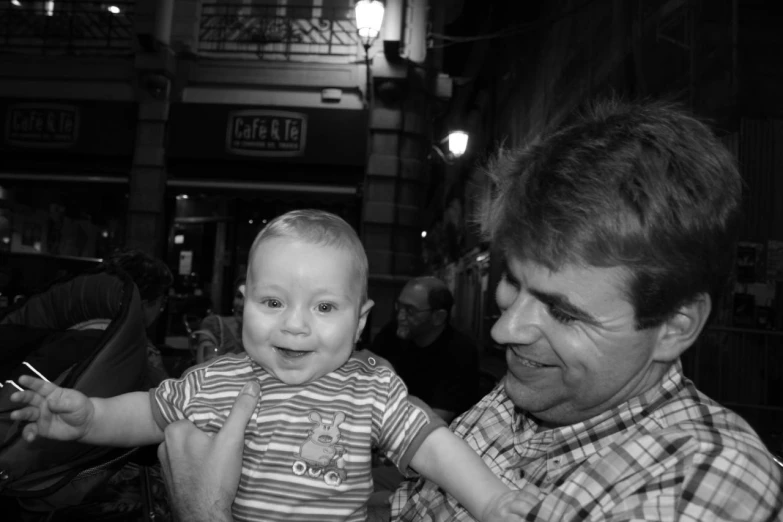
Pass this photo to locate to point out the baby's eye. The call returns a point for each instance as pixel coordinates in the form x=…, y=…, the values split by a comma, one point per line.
x=325, y=307
x=271, y=302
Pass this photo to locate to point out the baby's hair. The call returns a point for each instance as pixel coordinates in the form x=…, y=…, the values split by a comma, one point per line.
x=320, y=228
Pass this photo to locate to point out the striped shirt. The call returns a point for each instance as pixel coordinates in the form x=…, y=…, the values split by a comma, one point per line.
x=668, y=454
x=307, y=447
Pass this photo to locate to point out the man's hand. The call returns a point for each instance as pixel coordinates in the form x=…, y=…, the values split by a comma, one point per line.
x=51, y=412
x=512, y=506
x=202, y=472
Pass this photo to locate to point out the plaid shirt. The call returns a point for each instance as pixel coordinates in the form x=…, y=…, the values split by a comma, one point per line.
x=668, y=454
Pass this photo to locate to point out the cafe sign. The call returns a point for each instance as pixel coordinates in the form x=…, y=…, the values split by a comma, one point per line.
x=42, y=125
x=266, y=133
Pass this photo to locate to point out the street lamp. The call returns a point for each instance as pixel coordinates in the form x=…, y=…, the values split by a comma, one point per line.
x=369, y=17
x=457, y=145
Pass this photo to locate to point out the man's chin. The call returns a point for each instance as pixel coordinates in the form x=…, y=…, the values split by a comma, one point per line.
x=403, y=332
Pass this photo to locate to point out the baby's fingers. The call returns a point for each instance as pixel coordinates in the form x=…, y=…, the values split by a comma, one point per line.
x=28, y=397
x=30, y=432
x=522, y=504
x=27, y=414
x=37, y=385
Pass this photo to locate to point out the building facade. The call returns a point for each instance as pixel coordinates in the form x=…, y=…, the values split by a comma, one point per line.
x=181, y=127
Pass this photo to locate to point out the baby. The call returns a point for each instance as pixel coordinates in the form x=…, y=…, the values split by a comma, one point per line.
x=321, y=411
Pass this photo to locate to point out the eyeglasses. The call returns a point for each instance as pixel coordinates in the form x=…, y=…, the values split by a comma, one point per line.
x=409, y=310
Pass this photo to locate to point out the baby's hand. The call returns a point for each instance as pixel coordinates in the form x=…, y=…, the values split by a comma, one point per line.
x=51, y=411
x=512, y=506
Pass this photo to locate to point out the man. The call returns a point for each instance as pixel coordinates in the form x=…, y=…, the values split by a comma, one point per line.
x=438, y=363
x=619, y=230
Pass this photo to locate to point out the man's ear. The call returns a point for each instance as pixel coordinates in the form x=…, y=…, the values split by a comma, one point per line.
x=363, y=313
x=679, y=332
x=440, y=316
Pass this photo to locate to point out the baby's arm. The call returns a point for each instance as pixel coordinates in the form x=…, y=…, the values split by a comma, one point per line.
x=448, y=461
x=63, y=414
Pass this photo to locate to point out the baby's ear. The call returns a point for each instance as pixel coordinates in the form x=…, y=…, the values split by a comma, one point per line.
x=363, y=314
x=242, y=290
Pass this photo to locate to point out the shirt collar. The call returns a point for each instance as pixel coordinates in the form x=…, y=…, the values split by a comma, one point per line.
x=587, y=437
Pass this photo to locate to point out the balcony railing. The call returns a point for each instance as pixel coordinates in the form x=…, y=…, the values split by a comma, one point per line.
x=66, y=27
x=278, y=32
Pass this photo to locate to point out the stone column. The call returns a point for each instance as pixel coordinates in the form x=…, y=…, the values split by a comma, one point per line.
x=394, y=191
x=146, y=220
x=154, y=65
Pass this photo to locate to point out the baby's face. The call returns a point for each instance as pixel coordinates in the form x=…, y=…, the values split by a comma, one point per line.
x=303, y=309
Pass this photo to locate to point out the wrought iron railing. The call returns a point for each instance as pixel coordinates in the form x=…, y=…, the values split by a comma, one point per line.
x=278, y=32
x=66, y=27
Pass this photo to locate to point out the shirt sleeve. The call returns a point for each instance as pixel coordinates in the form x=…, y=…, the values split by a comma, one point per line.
x=170, y=400
x=406, y=423
x=732, y=485
x=679, y=477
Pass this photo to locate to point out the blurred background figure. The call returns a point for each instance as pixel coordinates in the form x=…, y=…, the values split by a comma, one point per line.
x=438, y=363
x=219, y=335
x=153, y=278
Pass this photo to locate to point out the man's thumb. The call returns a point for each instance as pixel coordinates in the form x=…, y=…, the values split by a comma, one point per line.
x=242, y=411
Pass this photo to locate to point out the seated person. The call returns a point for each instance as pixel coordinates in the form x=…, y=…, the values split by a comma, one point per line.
x=153, y=279
x=218, y=335
x=619, y=229
x=320, y=411
x=438, y=363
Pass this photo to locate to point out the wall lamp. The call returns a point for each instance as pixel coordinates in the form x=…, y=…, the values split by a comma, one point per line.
x=457, y=144
x=369, y=18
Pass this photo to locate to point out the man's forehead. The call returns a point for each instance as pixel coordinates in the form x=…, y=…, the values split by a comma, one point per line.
x=414, y=293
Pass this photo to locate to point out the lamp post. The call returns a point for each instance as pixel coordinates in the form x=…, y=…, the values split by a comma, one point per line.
x=369, y=17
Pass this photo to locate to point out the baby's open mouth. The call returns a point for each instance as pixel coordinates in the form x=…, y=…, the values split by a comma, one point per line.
x=291, y=354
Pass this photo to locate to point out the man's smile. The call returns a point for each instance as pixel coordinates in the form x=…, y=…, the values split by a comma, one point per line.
x=524, y=361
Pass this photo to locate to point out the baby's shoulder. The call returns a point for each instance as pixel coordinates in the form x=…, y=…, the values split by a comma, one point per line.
x=370, y=360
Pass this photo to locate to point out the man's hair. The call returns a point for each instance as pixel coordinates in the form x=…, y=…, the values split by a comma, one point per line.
x=320, y=228
x=644, y=186
x=439, y=297
x=151, y=275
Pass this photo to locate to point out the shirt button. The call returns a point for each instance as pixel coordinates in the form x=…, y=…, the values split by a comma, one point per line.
x=371, y=361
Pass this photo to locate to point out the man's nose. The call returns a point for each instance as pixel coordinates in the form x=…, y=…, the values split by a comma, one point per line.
x=519, y=323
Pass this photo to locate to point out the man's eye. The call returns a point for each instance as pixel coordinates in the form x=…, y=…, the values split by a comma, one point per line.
x=325, y=307
x=506, y=278
x=560, y=316
x=272, y=303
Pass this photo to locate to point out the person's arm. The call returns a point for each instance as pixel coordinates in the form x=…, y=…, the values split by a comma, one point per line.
x=446, y=415
x=124, y=420
x=202, y=472
x=64, y=414
x=448, y=461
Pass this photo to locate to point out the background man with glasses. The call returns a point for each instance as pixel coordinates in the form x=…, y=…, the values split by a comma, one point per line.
x=439, y=364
